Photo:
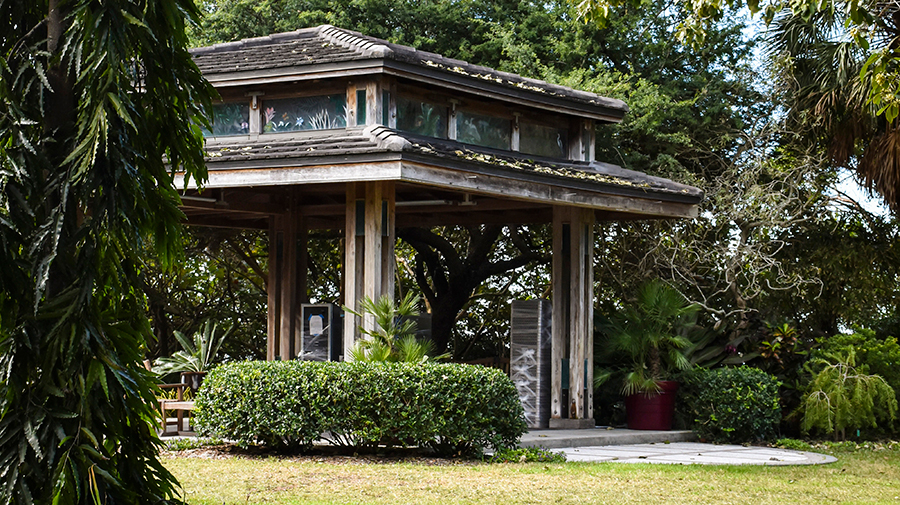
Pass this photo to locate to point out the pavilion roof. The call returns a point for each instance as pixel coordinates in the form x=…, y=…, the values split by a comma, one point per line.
x=360, y=145
x=325, y=51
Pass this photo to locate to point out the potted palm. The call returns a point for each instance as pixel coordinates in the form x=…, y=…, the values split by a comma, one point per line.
x=196, y=356
x=648, y=335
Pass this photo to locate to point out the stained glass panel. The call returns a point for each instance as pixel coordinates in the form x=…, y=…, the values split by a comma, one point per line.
x=542, y=140
x=421, y=118
x=482, y=130
x=229, y=119
x=306, y=113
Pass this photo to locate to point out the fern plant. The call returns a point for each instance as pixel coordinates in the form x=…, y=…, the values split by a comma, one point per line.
x=197, y=353
x=394, y=335
x=842, y=396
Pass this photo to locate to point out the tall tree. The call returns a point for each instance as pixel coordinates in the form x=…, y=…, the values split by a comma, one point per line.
x=841, y=61
x=448, y=277
x=101, y=103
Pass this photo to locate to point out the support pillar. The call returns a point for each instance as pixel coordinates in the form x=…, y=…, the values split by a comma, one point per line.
x=573, y=313
x=368, y=252
x=285, y=282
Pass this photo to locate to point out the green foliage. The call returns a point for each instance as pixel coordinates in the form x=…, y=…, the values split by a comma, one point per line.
x=840, y=396
x=101, y=102
x=528, y=455
x=454, y=409
x=792, y=444
x=733, y=405
x=187, y=444
x=874, y=355
x=648, y=333
x=222, y=277
x=394, y=335
x=197, y=354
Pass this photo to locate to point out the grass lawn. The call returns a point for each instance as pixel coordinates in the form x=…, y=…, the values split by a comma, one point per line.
x=859, y=476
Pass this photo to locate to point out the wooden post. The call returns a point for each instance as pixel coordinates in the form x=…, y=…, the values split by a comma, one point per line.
x=559, y=328
x=373, y=102
x=289, y=284
x=372, y=275
x=573, y=300
x=389, y=233
x=302, y=261
x=276, y=238
x=587, y=321
x=352, y=270
x=581, y=311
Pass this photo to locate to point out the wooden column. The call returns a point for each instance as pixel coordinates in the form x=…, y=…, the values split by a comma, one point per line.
x=581, y=312
x=369, y=252
x=289, y=304
x=560, y=316
x=389, y=240
x=276, y=239
x=572, y=330
x=353, y=254
x=373, y=251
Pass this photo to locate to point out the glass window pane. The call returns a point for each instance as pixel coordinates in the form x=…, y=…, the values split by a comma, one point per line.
x=421, y=118
x=481, y=130
x=306, y=113
x=543, y=140
x=229, y=119
x=360, y=106
x=385, y=108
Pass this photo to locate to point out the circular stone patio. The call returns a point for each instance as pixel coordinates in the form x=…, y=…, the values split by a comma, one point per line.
x=694, y=453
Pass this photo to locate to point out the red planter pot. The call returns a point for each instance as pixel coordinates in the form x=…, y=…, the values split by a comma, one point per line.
x=654, y=411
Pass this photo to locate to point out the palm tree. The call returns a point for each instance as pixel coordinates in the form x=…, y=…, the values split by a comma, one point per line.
x=819, y=66
x=394, y=335
x=650, y=333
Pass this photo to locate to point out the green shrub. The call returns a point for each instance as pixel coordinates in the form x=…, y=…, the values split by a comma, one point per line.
x=843, y=396
x=273, y=403
x=735, y=405
x=874, y=356
x=454, y=409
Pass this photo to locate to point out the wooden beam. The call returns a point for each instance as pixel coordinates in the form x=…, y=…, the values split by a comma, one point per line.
x=493, y=185
x=507, y=186
x=263, y=209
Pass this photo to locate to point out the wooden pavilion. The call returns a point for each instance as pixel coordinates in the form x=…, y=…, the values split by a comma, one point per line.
x=325, y=128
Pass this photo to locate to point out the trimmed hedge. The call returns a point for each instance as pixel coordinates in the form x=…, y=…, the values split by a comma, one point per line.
x=454, y=409
x=734, y=405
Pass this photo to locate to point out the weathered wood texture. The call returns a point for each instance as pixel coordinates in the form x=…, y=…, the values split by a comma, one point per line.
x=572, y=329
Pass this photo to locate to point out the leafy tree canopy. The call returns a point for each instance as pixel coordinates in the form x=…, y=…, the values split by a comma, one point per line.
x=100, y=102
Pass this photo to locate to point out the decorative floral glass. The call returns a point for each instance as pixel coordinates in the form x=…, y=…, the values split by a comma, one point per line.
x=421, y=118
x=229, y=119
x=542, y=140
x=306, y=113
x=483, y=130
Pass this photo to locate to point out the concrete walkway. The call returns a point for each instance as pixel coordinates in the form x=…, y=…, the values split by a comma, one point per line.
x=672, y=447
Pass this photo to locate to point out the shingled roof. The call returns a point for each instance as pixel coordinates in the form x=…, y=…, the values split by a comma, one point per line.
x=312, y=51
x=377, y=142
